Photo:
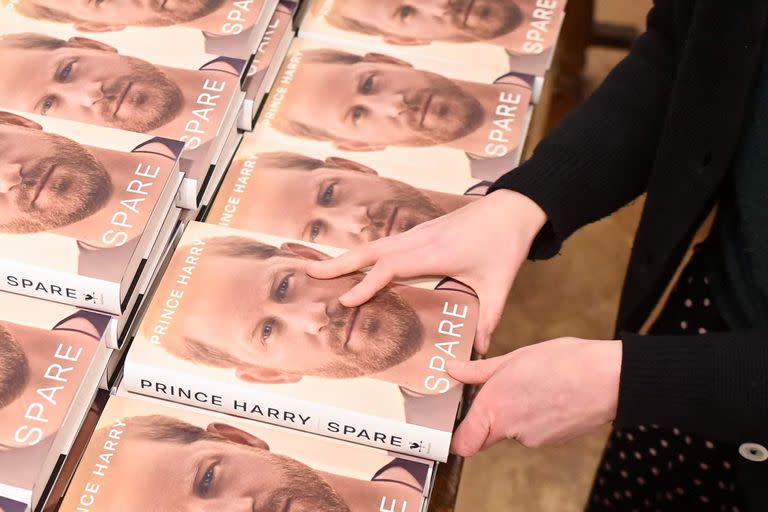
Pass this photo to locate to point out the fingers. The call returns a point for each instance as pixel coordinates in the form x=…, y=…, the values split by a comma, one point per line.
x=376, y=279
x=348, y=262
x=475, y=372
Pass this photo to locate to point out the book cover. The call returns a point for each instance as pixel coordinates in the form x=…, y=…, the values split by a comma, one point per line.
x=222, y=27
x=150, y=455
x=316, y=195
x=76, y=204
x=502, y=35
x=50, y=358
x=54, y=72
x=267, y=61
x=357, y=101
x=237, y=326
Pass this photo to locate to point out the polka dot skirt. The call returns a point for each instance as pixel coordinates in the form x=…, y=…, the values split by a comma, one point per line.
x=651, y=468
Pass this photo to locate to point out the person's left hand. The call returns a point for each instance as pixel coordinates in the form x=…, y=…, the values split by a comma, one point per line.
x=546, y=393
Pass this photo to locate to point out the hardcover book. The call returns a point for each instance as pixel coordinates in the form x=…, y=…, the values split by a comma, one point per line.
x=149, y=455
x=223, y=27
x=237, y=326
x=358, y=101
x=501, y=35
x=51, y=358
x=81, y=207
x=267, y=61
x=324, y=196
x=56, y=71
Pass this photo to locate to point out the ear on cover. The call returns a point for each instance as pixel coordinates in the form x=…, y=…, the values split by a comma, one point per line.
x=90, y=26
x=17, y=120
x=337, y=162
x=236, y=435
x=406, y=41
x=90, y=44
x=304, y=251
x=259, y=375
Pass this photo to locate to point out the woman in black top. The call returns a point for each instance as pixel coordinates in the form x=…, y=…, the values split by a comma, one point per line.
x=684, y=118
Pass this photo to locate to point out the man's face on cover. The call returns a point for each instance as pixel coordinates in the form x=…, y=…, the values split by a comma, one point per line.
x=422, y=21
x=377, y=102
x=101, y=15
x=88, y=81
x=14, y=368
x=233, y=475
x=281, y=324
x=341, y=203
x=46, y=180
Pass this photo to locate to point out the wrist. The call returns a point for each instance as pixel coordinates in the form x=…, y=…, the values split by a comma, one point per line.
x=608, y=359
x=525, y=215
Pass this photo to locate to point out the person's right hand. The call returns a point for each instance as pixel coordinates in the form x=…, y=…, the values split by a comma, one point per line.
x=482, y=244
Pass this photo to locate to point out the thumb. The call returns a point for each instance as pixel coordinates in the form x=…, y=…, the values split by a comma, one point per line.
x=473, y=432
x=475, y=372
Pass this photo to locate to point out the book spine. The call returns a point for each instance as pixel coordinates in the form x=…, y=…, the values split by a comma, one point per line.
x=238, y=400
x=59, y=286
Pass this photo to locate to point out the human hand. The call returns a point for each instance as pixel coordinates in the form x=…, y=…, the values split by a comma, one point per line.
x=482, y=244
x=546, y=393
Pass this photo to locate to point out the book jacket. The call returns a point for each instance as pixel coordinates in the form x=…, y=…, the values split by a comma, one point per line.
x=237, y=326
x=46, y=352
x=76, y=204
x=150, y=455
x=500, y=35
x=361, y=101
x=329, y=197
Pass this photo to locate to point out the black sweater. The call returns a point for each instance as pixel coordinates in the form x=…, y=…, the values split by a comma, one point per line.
x=666, y=121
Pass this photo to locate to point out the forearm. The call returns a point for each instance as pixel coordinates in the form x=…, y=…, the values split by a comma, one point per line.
x=599, y=158
x=714, y=384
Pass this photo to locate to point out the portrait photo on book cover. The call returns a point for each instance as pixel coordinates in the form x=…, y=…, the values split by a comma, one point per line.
x=249, y=315
x=332, y=201
x=166, y=459
x=84, y=79
x=96, y=200
x=40, y=372
x=368, y=101
x=522, y=28
x=217, y=17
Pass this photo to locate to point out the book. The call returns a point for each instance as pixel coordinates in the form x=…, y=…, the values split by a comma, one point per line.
x=83, y=206
x=194, y=98
x=235, y=28
x=357, y=101
x=237, y=326
x=219, y=26
x=504, y=36
x=51, y=357
x=267, y=61
x=149, y=455
x=328, y=197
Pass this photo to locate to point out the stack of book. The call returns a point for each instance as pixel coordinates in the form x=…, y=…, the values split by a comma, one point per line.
x=149, y=247
x=117, y=122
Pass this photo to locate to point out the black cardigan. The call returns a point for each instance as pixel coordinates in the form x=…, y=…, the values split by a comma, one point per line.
x=666, y=121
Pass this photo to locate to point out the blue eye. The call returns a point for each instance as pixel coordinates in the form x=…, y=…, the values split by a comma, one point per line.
x=327, y=196
x=267, y=330
x=206, y=482
x=282, y=288
x=357, y=114
x=48, y=103
x=405, y=12
x=367, y=86
x=315, y=230
x=65, y=72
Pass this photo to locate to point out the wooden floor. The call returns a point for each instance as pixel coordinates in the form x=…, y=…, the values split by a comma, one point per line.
x=574, y=294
